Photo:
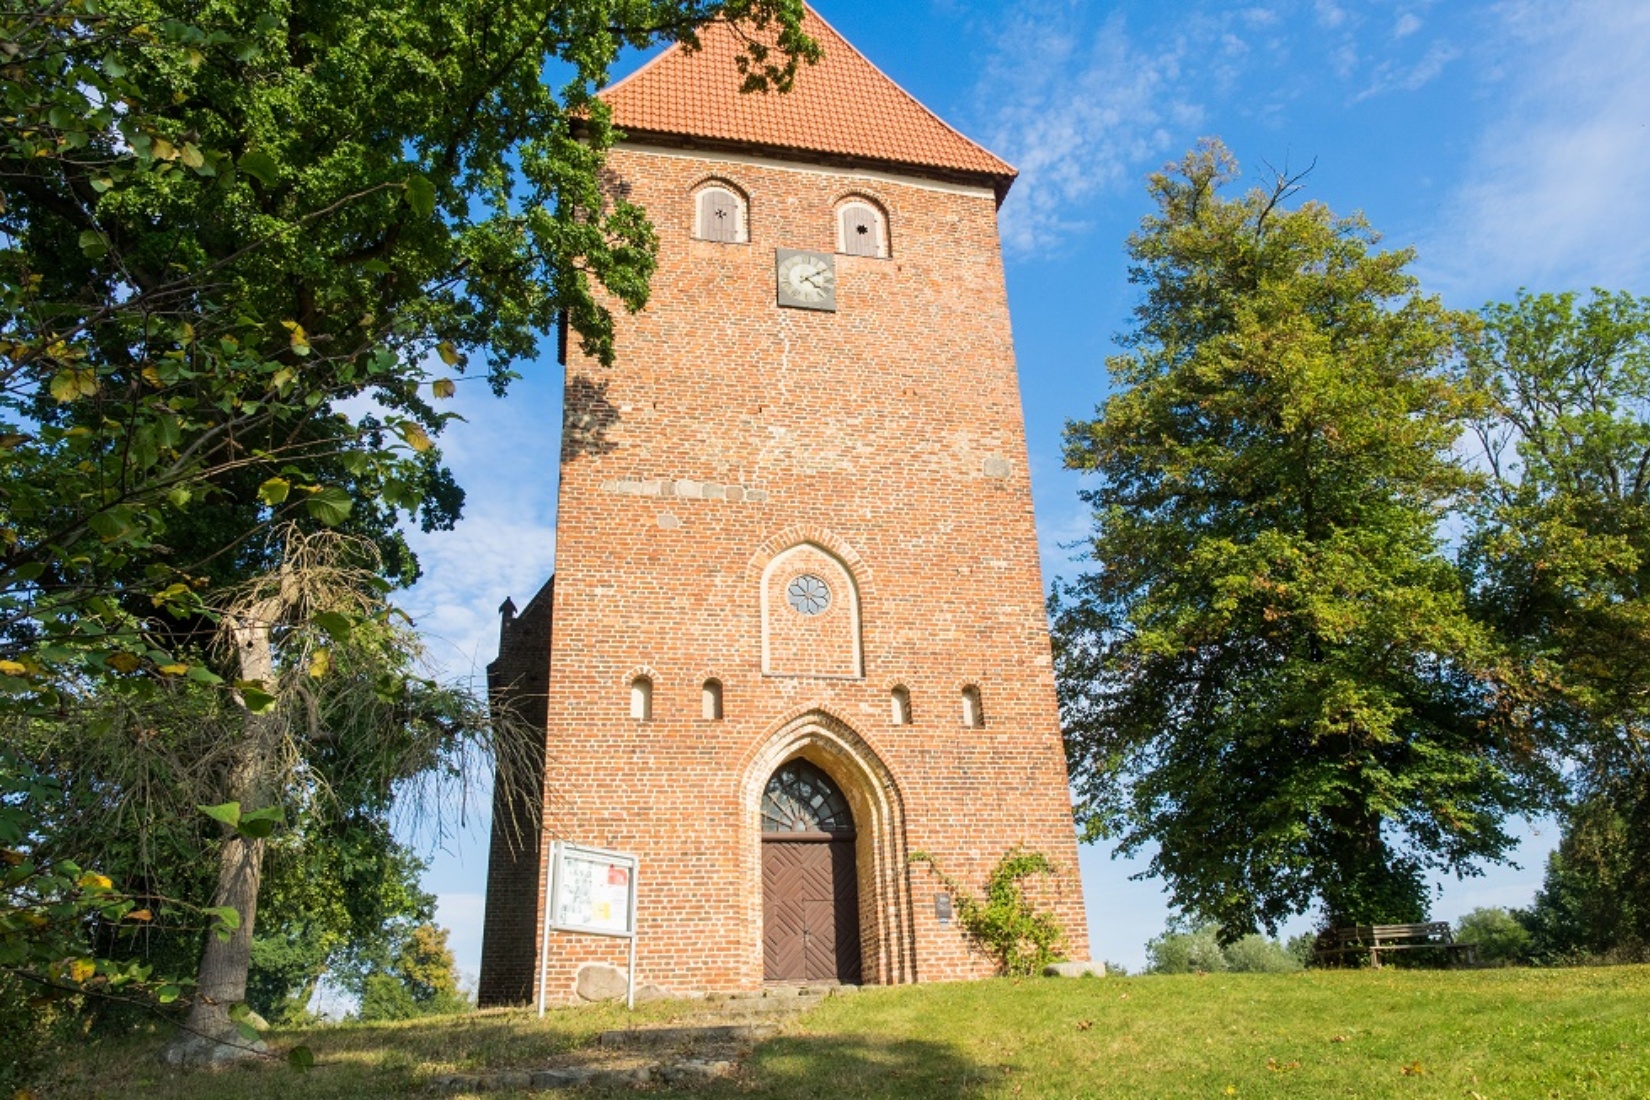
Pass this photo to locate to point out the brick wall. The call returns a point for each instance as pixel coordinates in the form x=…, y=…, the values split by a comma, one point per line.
x=887, y=437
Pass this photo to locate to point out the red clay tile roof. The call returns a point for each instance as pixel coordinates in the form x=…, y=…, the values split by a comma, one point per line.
x=844, y=106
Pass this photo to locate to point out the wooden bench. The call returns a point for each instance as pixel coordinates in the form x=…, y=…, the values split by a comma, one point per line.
x=1338, y=946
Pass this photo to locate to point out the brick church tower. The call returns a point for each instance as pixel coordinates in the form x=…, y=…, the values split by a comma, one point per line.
x=796, y=630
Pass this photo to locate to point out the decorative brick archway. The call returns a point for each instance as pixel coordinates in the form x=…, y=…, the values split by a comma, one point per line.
x=885, y=915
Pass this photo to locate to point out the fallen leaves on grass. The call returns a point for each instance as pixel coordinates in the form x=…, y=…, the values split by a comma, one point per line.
x=1282, y=1067
x=1084, y=1025
x=1338, y=1038
x=1414, y=1069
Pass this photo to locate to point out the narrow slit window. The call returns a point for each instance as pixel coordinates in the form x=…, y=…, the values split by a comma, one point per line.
x=719, y=216
x=860, y=226
x=900, y=700
x=972, y=714
x=641, y=698
x=710, y=701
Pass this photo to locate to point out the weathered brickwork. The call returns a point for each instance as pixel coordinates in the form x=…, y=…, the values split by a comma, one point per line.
x=886, y=441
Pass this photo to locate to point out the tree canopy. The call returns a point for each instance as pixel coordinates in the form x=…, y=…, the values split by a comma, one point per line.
x=1270, y=671
x=246, y=252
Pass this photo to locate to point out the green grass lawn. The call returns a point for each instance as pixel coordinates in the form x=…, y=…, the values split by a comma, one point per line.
x=1491, y=1034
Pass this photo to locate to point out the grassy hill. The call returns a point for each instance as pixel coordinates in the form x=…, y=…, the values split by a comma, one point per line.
x=1489, y=1034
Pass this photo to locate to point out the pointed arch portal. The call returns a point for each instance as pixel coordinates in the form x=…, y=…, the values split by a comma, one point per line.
x=830, y=856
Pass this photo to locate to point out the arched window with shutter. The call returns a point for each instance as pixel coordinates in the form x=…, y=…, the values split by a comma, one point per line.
x=719, y=215
x=861, y=229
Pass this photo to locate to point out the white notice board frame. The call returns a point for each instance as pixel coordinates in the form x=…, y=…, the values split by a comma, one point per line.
x=571, y=868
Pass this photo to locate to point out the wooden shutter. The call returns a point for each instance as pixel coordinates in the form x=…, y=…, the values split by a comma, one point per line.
x=861, y=231
x=719, y=216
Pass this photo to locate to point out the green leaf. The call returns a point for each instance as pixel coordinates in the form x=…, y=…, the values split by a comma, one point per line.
x=330, y=506
x=420, y=193
x=336, y=625
x=110, y=525
x=259, y=824
x=203, y=675
x=226, y=915
x=227, y=812
x=274, y=491
x=260, y=166
x=92, y=243
x=166, y=994
x=257, y=700
x=300, y=1058
x=28, y=571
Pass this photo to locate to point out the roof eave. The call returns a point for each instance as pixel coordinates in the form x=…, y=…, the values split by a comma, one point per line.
x=998, y=181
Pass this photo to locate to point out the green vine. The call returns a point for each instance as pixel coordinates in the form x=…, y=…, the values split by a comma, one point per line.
x=1004, y=924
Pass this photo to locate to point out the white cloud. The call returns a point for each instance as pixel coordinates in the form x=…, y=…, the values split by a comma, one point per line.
x=1085, y=107
x=1398, y=76
x=1078, y=111
x=1555, y=193
x=505, y=455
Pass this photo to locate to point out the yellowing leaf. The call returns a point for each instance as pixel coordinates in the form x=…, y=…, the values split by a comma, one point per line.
x=173, y=670
x=448, y=353
x=443, y=387
x=320, y=662
x=140, y=914
x=12, y=668
x=91, y=880
x=124, y=662
x=192, y=157
x=79, y=970
x=152, y=376
x=161, y=149
x=70, y=384
x=298, y=338
x=275, y=490
x=417, y=438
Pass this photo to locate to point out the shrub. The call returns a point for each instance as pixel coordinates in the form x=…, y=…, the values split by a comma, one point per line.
x=1255, y=954
x=1499, y=935
x=1185, y=952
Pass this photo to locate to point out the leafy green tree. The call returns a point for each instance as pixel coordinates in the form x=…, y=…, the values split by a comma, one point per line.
x=338, y=893
x=244, y=255
x=1594, y=901
x=1270, y=672
x=1559, y=562
x=421, y=980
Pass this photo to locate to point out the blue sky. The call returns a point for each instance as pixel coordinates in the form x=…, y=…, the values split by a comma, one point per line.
x=1506, y=142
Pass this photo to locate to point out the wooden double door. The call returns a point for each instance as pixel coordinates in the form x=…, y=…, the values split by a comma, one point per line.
x=810, y=909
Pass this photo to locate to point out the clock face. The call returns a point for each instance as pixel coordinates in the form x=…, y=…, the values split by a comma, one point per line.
x=806, y=280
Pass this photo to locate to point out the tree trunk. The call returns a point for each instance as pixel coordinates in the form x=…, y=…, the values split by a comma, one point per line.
x=209, y=1035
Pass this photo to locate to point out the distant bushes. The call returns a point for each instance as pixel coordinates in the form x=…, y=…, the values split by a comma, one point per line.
x=1200, y=950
